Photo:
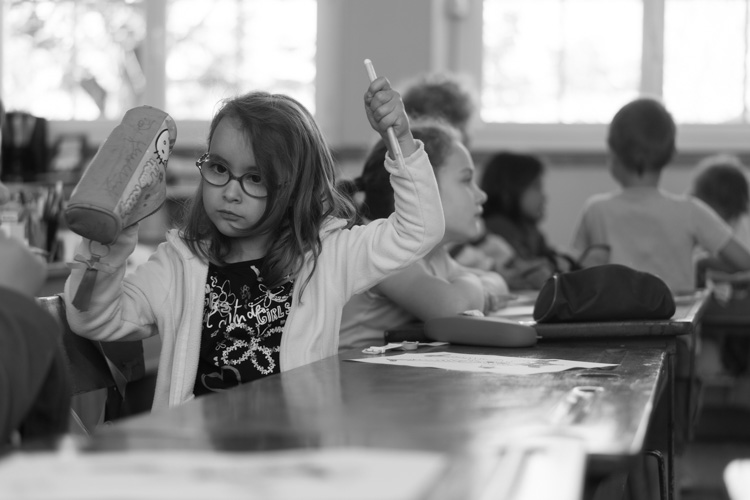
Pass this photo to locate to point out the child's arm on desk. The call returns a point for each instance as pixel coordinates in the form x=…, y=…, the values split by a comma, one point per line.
x=733, y=257
x=496, y=292
x=731, y=264
x=427, y=296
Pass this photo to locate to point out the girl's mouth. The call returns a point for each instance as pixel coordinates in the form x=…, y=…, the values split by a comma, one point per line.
x=229, y=215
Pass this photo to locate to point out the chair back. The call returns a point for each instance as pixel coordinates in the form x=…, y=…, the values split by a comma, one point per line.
x=96, y=365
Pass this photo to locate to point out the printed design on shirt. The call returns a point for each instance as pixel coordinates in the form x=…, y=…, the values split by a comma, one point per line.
x=239, y=325
x=228, y=376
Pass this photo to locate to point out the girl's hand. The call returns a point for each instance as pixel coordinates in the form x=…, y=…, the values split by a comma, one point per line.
x=496, y=294
x=385, y=109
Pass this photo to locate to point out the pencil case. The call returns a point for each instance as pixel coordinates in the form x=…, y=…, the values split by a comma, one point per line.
x=126, y=180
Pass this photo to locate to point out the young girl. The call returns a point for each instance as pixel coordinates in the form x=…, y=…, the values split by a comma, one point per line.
x=255, y=281
x=515, y=207
x=436, y=285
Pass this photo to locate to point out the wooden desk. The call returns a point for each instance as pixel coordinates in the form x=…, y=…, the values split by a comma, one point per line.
x=335, y=402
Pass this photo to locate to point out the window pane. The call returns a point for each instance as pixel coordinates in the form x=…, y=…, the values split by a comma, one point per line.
x=225, y=47
x=67, y=59
x=559, y=61
x=706, y=60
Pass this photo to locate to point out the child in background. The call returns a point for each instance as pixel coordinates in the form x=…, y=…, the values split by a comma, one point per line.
x=436, y=285
x=449, y=98
x=255, y=281
x=514, y=209
x=441, y=97
x=720, y=182
x=645, y=227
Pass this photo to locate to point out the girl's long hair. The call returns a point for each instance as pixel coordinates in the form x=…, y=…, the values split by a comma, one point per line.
x=506, y=177
x=297, y=165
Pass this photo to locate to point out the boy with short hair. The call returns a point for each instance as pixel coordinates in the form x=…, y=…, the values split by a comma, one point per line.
x=643, y=226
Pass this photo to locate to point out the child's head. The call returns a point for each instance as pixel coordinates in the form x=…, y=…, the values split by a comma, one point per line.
x=444, y=97
x=285, y=178
x=720, y=182
x=454, y=170
x=642, y=136
x=513, y=183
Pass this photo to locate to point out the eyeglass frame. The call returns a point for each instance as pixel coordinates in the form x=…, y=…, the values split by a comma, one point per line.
x=199, y=162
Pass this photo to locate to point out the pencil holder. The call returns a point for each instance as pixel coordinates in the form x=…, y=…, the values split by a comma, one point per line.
x=126, y=180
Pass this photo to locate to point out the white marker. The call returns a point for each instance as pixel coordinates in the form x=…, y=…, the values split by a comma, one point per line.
x=395, y=148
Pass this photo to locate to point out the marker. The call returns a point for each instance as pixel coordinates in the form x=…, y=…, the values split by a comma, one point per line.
x=395, y=148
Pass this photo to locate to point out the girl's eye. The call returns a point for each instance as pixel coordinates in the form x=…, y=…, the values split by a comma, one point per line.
x=217, y=168
x=254, y=178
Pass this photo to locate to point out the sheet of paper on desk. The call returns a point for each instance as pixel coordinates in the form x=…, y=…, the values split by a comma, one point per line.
x=328, y=474
x=504, y=365
x=737, y=479
x=525, y=311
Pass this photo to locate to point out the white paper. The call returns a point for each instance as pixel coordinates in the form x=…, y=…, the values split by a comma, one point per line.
x=325, y=474
x=526, y=311
x=737, y=479
x=484, y=363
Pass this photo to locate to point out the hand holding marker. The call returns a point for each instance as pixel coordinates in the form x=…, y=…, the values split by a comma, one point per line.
x=395, y=148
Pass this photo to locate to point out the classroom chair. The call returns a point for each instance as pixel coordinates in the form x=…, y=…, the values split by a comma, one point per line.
x=110, y=369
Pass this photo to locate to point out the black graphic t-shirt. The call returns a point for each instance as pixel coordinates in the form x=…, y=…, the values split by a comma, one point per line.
x=242, y=326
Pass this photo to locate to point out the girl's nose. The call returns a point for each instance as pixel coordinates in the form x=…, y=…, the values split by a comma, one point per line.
x=482, y=196
x=232, y=190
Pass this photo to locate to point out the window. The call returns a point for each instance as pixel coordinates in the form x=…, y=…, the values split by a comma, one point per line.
x=225, y=47
x=578, y=61
x=95, y=59
x=706, y=61
x=72, y=59
x=555, y=61
x=552, y=73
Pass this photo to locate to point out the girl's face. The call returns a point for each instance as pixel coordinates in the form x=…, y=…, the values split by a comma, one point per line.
x=533, y=201
x=232, y=210
x=462, y=199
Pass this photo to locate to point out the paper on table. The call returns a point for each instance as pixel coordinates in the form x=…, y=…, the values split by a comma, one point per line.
x=737, y=479
x=505, y=365
x=328, y=474
x=526, y=311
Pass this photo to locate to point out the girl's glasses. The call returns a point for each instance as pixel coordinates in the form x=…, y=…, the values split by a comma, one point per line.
x=217, y=173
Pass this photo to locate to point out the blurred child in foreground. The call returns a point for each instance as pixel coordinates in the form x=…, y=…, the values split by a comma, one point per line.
x=34, y=385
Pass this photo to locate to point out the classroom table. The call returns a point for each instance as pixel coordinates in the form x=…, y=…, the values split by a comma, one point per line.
x=339, y=402
x=690, y=309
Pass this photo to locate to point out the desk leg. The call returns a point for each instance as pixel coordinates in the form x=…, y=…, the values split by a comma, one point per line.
x=671, y=373
x=694, y=393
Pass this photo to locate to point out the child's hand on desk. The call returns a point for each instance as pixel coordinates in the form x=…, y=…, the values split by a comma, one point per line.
x=496, y=293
